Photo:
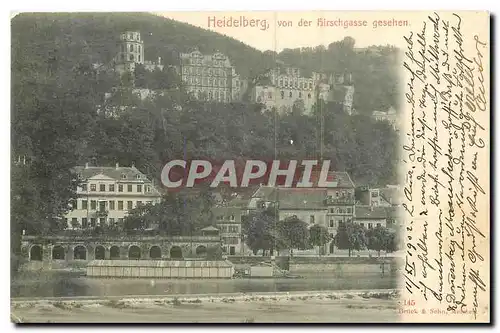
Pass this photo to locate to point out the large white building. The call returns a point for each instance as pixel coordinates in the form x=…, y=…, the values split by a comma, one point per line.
x=107, y=194
x=210, y=77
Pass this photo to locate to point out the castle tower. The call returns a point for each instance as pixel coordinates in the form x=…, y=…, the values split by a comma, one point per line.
x=130, y=51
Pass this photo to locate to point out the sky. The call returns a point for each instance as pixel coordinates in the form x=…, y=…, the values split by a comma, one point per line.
x=277, y=37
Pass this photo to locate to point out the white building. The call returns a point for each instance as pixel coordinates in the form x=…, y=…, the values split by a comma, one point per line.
x=107, y=194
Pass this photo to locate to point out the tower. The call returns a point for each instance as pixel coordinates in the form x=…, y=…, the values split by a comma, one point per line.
x=130, y=51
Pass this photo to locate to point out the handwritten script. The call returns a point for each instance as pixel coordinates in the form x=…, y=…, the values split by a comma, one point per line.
x=446, y=166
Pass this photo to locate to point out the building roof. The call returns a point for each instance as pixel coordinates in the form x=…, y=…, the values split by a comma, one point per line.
x=301, y=198
x=341, y=177
x=210, y=228
x=117, y=173
x=370, y=212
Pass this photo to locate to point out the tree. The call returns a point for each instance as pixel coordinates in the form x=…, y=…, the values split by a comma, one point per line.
x=350, y=236
x=260, y=231
x=294, y=233
x=319, y=236
x=378, y=239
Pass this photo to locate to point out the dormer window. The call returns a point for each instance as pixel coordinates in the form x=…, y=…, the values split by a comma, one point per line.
x=138, y=176
x=124, y=176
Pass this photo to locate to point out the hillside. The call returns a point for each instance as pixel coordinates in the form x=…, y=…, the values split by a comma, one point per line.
x=69, y=38
x=72, y=36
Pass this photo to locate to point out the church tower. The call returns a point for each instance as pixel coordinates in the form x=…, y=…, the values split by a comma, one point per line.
x=130, y=51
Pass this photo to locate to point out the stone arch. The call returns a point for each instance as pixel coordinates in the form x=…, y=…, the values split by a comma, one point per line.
x=58, y=253
x=114, y=252
x=155, y=252
x=176, y=252
x=134, y=252
x=99, y=252
x=36, y=253
x=201, y=251
x=80, y=252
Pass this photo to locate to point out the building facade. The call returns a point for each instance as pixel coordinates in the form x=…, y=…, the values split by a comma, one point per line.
x=228, y=221
x=371, y=216
x=210, y=77
x=107, y=194
x=131, y=52
x=283, y=88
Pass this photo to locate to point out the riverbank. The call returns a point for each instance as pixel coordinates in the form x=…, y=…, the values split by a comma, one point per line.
x=326, y=306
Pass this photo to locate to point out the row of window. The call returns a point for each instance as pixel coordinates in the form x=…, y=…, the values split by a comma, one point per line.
x=290, y=95
x=339, y=210
x=199, y=61
x=131, y=48
x=112, y=188
x=230, y=240
x=131, y=57
x=222, y=217
x=217, y=95
x=229, y=228
x=207, y=81
x=204, y=71
x=92, y=222
x=103, y=205
x=294, y=84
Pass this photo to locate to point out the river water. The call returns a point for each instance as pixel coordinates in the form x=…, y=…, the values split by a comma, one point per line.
x=66, y=284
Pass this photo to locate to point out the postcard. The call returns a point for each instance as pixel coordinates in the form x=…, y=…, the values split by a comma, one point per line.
x=250, y=167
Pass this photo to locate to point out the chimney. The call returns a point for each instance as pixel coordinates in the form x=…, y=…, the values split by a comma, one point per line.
x=133, y=165
x=117, y=165
x=87, y=165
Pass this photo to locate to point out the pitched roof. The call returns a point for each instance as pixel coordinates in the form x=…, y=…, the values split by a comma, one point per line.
x=301, y=198
x=370, y=212
x=341, y=177
x=116, y=173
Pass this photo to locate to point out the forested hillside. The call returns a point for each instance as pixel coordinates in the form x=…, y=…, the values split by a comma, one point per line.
x=55, y=126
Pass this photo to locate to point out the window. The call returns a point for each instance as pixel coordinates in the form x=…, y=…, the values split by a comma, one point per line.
x=112, y=205
x=129, y=188
x=111, y=220
x=74, y=222
x=131, y=48
x=120, y=188
x=129, y=205
x=85, y=223
x=139, y=49
x=120, y=205
x=309, y=95
x=378, y=224
x=139, y=203
x=270, y=94
x=149, y=202
x=120, y=220
x=131, y=57
x=137, y=176
x=84, y=188
x=124, y=176
x=311, y=219
x=290, y=94
x=111, y=187
x=102, y=221
x=232, y=218
x=332, y=223
x=139, y=188
x=102, y=187
x=93, y=204
x=370, y=225
x=362, y=224
x=349, y=210
x=84, y=204
x=300, y=94
x=92, y=188
x=92, y=222
x=282, y=94
x=139, y=58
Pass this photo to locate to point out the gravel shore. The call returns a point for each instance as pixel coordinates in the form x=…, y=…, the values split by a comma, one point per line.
x=326, y=306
